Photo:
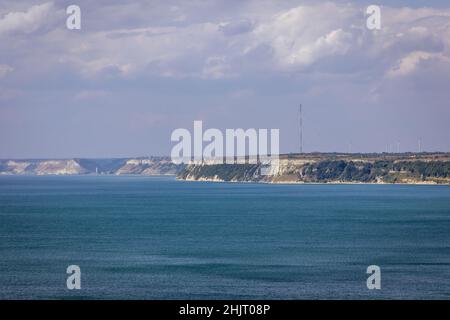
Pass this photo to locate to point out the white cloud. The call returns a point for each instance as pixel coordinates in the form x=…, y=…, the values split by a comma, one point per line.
x=305, y=34
x=149, y=55
x=216, y=68
x=408, y=64
x=5, y=69
x=324, y=37
x=28, y=21
x=413, y=62
x=335, y=42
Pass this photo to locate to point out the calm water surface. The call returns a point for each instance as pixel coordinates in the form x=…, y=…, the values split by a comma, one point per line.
x=158, y=238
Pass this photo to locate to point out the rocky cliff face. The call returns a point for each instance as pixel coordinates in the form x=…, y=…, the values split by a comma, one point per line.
x=334, y=168
x=41, y=167
x=149, y=166
x=143, y=166
x=309, y=168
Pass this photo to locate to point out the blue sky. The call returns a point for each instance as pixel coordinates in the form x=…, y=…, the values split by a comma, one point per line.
x=137, y=70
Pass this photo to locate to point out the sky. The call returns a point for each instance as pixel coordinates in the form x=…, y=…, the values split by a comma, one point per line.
x=137, y=70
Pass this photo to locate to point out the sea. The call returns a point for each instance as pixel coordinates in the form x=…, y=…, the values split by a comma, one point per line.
x=141, y=237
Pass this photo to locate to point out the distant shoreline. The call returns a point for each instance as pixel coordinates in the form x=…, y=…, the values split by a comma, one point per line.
x=408, y=169
x=222, y=181
x=318, y=183
x=311, y=168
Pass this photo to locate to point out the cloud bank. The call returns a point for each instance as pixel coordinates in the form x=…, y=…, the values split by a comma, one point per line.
x=320, y=52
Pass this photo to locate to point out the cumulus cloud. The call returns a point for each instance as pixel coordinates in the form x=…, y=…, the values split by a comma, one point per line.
x=280, y=39
x=319, y=52
x=335, y=42
x=27, y=21
x=298, y=40
x=411, y=62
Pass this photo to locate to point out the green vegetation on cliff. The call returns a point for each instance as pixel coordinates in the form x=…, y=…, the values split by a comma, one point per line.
x=385, y=171
x=338, y=168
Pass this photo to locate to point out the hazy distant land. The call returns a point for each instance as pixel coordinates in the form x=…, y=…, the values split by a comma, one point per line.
x=408, y=168
x=80, y=166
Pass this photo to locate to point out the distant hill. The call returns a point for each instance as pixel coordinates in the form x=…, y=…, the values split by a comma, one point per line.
x=78, y=166
x=409, y=168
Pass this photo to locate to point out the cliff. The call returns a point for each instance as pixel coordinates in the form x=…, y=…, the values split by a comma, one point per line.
x=142, y=166
x=423, y=168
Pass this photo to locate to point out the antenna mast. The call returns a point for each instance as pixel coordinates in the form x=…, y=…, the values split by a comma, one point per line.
x=301, y=129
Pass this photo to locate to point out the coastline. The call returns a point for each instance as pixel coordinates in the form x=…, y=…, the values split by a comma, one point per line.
x=315, y=183
x=418, y=183
x=317, y=168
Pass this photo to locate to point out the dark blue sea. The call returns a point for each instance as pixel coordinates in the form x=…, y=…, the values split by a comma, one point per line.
x=138, y=237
